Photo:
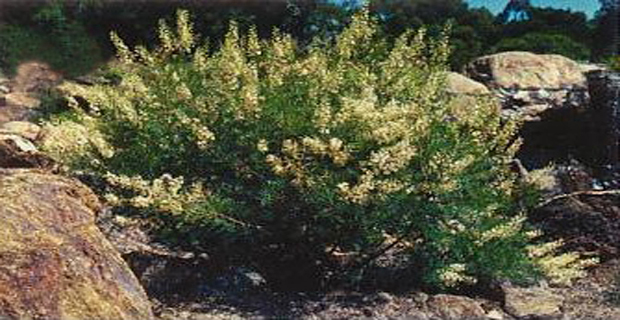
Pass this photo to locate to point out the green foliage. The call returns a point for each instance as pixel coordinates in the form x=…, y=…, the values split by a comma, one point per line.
x=49, y=37
x=614, y=62
x=473, y=32
x=541, y=42
x=476, y=33
x=290, y=158
x=605, y=35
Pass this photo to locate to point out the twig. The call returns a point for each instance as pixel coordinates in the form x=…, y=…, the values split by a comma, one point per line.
x=578, y=193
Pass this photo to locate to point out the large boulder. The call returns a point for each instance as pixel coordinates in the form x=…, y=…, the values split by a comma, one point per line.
x=530, y=84
x=550, y=93
x=524, y=70
x=54, y=262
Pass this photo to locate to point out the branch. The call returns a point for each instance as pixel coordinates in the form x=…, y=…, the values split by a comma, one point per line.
x=578, y=193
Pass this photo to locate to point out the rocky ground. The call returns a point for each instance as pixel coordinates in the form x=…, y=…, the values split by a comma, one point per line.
x=181, y=285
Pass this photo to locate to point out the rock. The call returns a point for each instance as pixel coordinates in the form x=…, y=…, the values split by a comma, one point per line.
x=604, y=88
x=421, y=298
x=239, y=280
x=384, y=297
x=449, y=307
x=54, y=262
x=16, y=152
x=558, y=136
x=529, y=84
x=523, y=70
x=587, y=67
x=35, y=77
x=562, y=179
x=550, y=93
x=20, y=144
x=586, y=221
x=465, y=93
x=22, y=99
x=24, y=129
x=531, y=302
x=574, y=177
x=460, y=84
x=495, y=315
x=14, y=113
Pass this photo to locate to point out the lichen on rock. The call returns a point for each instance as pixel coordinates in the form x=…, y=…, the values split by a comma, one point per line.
x=54, y=262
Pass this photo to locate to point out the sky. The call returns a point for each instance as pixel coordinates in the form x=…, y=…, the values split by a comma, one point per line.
x=496, y=6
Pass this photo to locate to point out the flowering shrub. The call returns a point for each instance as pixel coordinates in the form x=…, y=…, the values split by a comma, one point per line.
x=292, y=158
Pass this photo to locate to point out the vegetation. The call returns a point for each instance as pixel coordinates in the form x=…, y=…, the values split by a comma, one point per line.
x=80, y=28
x=614, y=62
x=48, y=35
x=308, y=163
x=538, y=42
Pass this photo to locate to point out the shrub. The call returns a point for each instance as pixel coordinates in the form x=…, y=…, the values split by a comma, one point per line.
x=289, y=158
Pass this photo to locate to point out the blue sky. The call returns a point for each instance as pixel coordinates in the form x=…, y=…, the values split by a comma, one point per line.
x=587, y=6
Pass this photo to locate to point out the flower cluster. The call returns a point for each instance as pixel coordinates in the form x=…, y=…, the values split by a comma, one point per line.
x=165, y=194
x=455, y=275
x=70, y=142
x=560, y=269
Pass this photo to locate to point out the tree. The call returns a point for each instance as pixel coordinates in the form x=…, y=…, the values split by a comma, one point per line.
x=516, y=10
x=605, y=36
x=545, y=43
x=472, y=28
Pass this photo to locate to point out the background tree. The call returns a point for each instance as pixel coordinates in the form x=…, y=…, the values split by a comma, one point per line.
x=605, y=36
x=548, y=31
x=545, y=43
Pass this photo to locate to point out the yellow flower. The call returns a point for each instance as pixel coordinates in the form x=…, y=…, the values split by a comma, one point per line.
x=262, y=145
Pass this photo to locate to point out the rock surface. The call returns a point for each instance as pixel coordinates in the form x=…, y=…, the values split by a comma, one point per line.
x=22, y=99
x=24, y=129
x=550, y=93
x=588, y=221
x=465, y=93
x=18, y=152
x=14, y=113
x=455, y=307
x=459, y=84
x=530, y=84
x=54, y=262
x=34, y=76
x=523, y=70
x=604, y=89
x=532, y=302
